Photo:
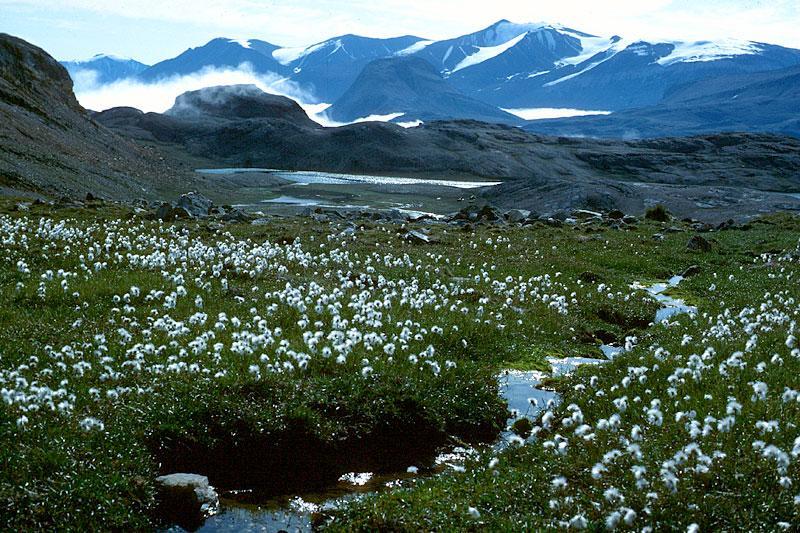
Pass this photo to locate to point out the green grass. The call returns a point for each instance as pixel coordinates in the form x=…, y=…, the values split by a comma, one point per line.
x=483, y=301
x=742, y=490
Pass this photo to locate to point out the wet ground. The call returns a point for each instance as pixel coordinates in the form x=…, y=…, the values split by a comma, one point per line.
x=245, y=511
x=284, y=192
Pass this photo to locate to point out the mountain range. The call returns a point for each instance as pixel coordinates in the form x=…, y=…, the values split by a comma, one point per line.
x=506, y=66
x=51, y=146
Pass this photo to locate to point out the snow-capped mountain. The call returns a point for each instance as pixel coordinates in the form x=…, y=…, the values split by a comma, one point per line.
x=506, y=65
x=608, y=73
x=218, y=53
x=102, y=69
x=329, y=68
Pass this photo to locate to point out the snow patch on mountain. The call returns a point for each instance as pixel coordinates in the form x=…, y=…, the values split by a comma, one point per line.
x=414, y=48
x=379, y=118
x=543, y=113
x=244, y=43
x=505, y=31
x=709, y=51
x=486, y=53
x=617, y=47
x=590, y=47
x=287, y=56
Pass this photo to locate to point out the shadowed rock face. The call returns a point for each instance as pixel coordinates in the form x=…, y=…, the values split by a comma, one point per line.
x=50, y=145
x=235, y=102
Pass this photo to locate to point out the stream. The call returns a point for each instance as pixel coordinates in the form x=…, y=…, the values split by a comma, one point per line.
x=520, y=390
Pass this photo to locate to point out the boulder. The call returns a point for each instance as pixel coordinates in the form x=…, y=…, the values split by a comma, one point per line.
x=698, y=244
x=165, y=211
x=416, y=237
x=517, y=216
x=616, y=214
x=235, y=215
x=489, y=213
x=168, y=212
x=585, y=214
x=186, y=499
x=197, y=205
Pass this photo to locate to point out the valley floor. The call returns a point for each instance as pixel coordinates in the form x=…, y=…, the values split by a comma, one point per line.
x=284, y=355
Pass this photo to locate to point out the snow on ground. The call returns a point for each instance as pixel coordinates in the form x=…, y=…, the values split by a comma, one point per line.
x=410, y=124
x=379, y=118
x=709, y=51
x=543, y=113
x=487, y=53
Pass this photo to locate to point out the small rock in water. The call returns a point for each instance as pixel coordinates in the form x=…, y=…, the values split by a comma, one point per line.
x=186, y=499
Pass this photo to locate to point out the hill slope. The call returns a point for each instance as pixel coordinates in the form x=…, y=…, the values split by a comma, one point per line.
x=49, y=144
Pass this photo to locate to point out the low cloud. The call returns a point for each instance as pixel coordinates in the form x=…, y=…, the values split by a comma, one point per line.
x=159, y=96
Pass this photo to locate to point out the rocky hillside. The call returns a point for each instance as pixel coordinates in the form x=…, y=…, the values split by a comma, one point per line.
x=49, y=145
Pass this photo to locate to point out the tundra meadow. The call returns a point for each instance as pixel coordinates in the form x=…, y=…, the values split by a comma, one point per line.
x=297, y=351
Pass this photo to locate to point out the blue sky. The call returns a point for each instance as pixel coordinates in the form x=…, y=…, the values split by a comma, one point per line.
x=152, y=30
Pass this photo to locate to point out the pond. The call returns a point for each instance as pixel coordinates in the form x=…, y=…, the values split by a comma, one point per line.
x=242, y=510
x=329, y=178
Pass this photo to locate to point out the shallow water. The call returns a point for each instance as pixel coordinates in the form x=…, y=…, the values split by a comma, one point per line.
x=520, y=390
x=307, y=177
x=292, y=200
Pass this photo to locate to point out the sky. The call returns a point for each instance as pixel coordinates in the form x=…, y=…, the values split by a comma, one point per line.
x=153, y=30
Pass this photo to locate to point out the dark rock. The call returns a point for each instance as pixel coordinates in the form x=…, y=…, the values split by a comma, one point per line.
x=165, y=211
x=489, y=213
x=698, y=244
x=630, y=219
x=517, y=216
x=589, y=277
x=235, y=215
x=616, y=214
x=728, y=224
x=658, y=213
x=691, y=271
x=702, y=227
